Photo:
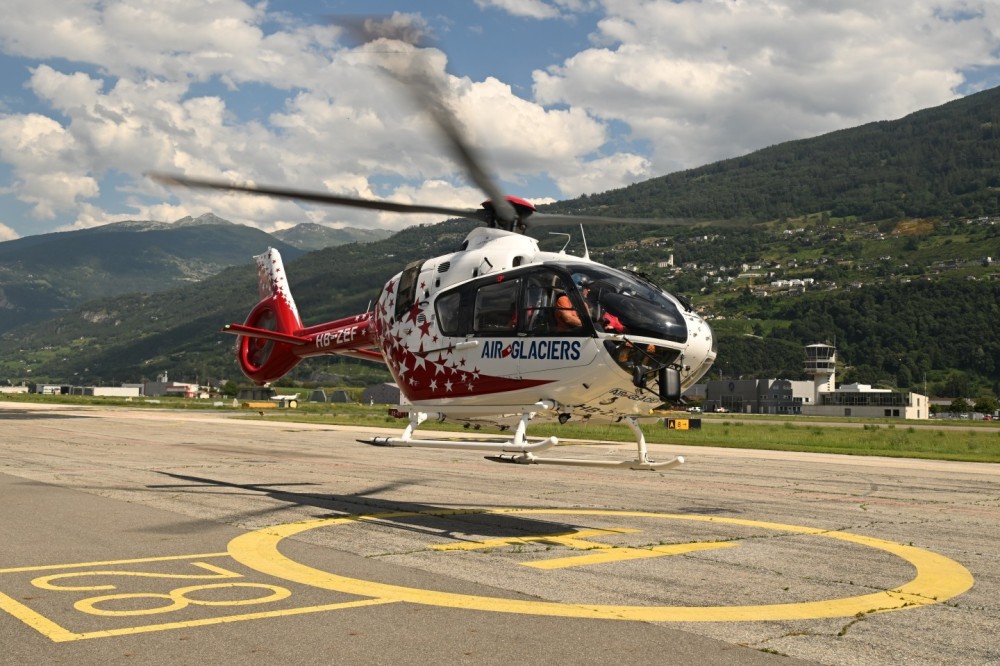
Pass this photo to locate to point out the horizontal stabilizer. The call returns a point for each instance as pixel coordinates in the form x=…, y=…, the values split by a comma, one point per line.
x=263, y=334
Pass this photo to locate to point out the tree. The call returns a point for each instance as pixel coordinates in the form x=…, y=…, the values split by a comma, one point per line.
x=986, y=404
x=904, y=378
x=959, y=406
x=956, y=384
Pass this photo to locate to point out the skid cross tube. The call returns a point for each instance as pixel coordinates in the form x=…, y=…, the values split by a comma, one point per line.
x=642, y=461
x=520, y=449
x=518, y=444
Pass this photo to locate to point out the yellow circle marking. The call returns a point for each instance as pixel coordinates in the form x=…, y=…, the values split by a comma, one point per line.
x=938, y=578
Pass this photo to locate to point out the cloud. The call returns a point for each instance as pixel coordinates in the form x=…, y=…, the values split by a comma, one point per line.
x=539, y=9
x=171, y=40
x=523, y=137
x=230, y=89
x=44, y=160
x=605, y=173
x=702, y=81
x=536, y=9
x=6, y=233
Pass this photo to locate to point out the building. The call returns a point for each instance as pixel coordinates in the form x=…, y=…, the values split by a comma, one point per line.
x=381, y=394
x=339, y=396
x=757, y=396
x=123, y=391
x=856, y=399
x=818, y=396
x=112, y=391
x=163, y=386
x=256, y=393
x=863, y=400
x=52, y=389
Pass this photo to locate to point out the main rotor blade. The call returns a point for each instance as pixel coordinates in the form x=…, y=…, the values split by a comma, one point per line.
x=428, y=90
x=431, y=98
x=562, y=219
x=317, y=197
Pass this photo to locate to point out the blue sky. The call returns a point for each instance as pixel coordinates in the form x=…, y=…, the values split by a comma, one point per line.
x=564, y=97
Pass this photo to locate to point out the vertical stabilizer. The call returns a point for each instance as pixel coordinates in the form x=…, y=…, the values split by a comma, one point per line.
x=264, y=359
x=273, y=284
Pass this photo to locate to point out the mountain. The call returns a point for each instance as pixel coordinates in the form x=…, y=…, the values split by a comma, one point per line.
x=308, y=236
x=873, y=216
x=45, y=275
x=939, y=161
x=140, y=335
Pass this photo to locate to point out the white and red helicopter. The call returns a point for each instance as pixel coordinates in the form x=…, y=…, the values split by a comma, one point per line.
x=481, y=335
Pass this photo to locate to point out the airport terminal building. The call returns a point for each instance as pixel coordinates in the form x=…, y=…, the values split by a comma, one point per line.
x=818, y=396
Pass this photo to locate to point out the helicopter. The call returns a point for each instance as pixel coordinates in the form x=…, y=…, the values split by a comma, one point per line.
x=499, y=331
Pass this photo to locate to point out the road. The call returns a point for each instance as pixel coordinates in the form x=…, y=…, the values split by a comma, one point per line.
x=189, y=537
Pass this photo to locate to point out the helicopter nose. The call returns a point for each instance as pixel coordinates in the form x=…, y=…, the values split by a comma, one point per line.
x=700, y=352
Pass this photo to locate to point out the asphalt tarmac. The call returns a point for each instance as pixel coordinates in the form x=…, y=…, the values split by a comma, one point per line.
x=128, y=536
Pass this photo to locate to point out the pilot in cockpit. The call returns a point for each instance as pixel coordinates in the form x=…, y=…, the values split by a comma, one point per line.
x=605, y=320
x=567, y=318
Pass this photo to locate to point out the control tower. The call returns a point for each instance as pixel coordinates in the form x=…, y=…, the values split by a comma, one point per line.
x=821, y=365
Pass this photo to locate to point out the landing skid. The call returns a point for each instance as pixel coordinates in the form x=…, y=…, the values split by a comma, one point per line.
x=522, y=451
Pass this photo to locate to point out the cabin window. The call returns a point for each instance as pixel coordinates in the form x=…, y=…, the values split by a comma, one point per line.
x=496, y=308
x=448, y=317
x=406, y=294
x=548, y=306
x=527, y=304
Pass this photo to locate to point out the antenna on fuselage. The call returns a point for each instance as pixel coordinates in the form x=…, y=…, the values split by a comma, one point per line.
x=586, y=250
x=568, y=238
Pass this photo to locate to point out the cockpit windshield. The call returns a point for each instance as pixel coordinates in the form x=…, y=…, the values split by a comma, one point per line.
x=623, y=303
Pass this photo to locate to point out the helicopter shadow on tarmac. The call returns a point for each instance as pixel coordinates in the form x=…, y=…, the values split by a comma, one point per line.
x=415, y=517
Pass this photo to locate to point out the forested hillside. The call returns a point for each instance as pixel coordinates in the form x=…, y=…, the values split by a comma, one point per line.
x=891, y=335
x=937, y=162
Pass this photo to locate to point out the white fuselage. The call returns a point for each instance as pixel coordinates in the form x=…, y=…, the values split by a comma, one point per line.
x=451, y=350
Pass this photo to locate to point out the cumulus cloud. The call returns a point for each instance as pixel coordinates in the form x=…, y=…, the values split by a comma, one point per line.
x=231, y=89
x=701, y=81
x=6, y=233
x=536, y=9
x=604, y=173
x=539, y=9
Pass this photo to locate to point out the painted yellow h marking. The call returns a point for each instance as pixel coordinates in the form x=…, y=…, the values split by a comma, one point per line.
x=575, y=541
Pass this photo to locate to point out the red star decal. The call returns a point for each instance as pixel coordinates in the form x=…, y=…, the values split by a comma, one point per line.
x=425, y=328
x=414, y=313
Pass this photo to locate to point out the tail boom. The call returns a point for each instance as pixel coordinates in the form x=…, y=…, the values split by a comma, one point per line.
x=273, y=340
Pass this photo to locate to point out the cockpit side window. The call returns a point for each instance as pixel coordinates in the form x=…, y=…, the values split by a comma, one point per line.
x=624, y=303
